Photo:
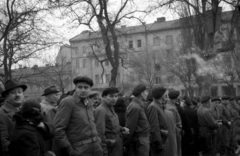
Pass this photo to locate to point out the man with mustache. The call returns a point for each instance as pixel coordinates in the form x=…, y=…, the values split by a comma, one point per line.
x=14, y=98
x=76, y=133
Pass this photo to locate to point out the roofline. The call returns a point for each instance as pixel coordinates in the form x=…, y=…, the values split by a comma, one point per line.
x=148, y=31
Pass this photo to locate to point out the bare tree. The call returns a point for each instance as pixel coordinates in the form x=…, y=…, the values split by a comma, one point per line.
x=87, y=13
x=23, y=32
x=146, y=67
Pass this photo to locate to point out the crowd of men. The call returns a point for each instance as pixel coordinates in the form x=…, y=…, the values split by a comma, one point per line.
x=156, y=122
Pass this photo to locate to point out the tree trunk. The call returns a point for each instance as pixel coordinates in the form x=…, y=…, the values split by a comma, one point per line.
x=7, y=74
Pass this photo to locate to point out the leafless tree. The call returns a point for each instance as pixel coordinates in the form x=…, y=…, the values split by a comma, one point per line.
x=108, y=16
x=23, y=32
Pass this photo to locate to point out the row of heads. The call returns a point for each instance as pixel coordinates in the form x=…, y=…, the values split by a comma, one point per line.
x=11, y=84
x=157, y=92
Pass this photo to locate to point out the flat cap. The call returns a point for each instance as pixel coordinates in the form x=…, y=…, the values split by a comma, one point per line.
x=150, y=97
x=188, y=102
x=225, y=98
x=50, y=90
x=216, y=99
x=237, y=98
x=205, y=99
x=158, y=92
x=84, y=79
x=173, y=94
x=139, y=89
x=109, y=90
x=232, y=98
x=194, y=102
x=93, y=94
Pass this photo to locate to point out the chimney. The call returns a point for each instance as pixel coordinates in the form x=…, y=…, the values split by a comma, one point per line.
x=161, y=19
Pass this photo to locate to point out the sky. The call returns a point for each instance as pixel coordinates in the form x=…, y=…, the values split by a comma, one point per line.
x=66, y=31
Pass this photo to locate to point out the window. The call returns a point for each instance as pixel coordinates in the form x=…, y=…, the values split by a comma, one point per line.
x=107, y=78
x=170, y=79
x=130, y=44
x=84, y=63
x=169, y=40
x=76, y=50
x=77, y=63
x=156, y=41
x=158, y=80
x=131, y=76
x=179, y=38
x=139, y=43
x=157, y=67
x=107, y=63
x=97, y=79
x=96, y=63
x=118, y=77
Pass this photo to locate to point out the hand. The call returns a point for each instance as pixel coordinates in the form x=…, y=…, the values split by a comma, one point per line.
x=125, y=131
x=41, y=125
x=49, y=153
x=159, y=147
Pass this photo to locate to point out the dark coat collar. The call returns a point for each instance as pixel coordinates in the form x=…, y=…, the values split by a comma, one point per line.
x=27, y=126
x=77, y=99
x=7, y=107
x=137, y=101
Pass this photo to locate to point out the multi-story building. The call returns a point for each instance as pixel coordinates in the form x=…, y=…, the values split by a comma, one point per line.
x=39, y=78
x=64, y=54
x=87, y=50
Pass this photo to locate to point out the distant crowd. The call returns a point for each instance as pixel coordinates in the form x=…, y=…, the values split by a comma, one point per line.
x=156, y=122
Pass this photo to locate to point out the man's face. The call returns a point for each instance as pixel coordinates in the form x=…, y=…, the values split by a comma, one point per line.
x=54, y=97
x=96, y=100
x=214, y=104
x=225, y=102
x=111, y=99
x=82, y=89
x=144, y=94
x=15, y=96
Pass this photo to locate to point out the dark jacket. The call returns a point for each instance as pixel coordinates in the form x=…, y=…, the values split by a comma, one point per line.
x=120, y=109
x=205, y=118
x=109, y=129
x=6, y=124
x=74, y=122
x=157, y=120
x=136, y=119
x=28, y=140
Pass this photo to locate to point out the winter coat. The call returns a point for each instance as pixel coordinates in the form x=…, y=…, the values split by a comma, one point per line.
x=28, y=140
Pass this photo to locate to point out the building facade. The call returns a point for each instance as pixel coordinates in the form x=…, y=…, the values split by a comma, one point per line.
x=159, y=37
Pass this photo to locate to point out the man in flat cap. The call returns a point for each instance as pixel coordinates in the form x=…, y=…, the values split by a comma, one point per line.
x=107, y=124
x=158, y=124
x=225, y=116
x=76, y=132
x=207, y=127
x=137, y=123
x=171, y=106
x=191, y=111
x=14, y=95
x=95, y=98
x=233, y=107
